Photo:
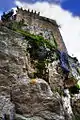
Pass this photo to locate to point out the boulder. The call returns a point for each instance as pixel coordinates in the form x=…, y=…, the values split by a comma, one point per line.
x=35, y=98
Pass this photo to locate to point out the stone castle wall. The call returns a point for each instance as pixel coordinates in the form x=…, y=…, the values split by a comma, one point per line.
x=39, y=25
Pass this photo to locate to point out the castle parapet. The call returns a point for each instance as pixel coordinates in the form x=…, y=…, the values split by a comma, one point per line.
x=24, y=11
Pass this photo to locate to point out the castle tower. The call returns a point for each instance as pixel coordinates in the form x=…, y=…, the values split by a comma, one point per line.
x=38, y=25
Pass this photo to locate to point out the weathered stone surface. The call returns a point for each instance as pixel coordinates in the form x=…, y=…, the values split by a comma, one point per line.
x=6, y=108
x=33, y=99
x=56, y=78
x=12, y=65
x=76, y=106
x=30, y=97
x=36, y=98
x=12, y=58
x=20, y=117
x=66, y=101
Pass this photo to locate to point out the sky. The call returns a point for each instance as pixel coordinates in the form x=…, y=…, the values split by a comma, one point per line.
x=65, y=12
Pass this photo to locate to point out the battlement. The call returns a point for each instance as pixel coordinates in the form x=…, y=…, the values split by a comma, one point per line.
x=34, y=14
x=20, y=10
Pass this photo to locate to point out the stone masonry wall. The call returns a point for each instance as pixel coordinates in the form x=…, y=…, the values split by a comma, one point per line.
x=39, y=25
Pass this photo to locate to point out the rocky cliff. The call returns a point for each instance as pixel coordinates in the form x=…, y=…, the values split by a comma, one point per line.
x=33, y=83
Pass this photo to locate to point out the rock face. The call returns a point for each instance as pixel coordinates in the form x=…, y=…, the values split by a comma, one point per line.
x=12, y=61
x=76, y=106
x=56, y=77
x=7, y=109
x=32, y=82
x=31, y=97
x=36, y=99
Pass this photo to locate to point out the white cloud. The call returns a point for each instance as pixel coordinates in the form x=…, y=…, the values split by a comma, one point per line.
x=59, y=1
x=70, y=25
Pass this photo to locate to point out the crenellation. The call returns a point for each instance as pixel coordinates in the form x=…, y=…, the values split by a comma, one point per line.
x=27, y=12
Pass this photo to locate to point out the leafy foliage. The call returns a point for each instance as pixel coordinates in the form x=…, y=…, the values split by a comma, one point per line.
x=37, y=40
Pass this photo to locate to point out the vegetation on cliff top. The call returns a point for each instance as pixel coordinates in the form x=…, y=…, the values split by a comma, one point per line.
x=40, y=49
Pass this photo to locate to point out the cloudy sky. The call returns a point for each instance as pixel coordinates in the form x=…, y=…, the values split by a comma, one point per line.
x=65, y=12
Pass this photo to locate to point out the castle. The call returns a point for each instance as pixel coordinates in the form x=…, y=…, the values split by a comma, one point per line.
x=39, y=25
